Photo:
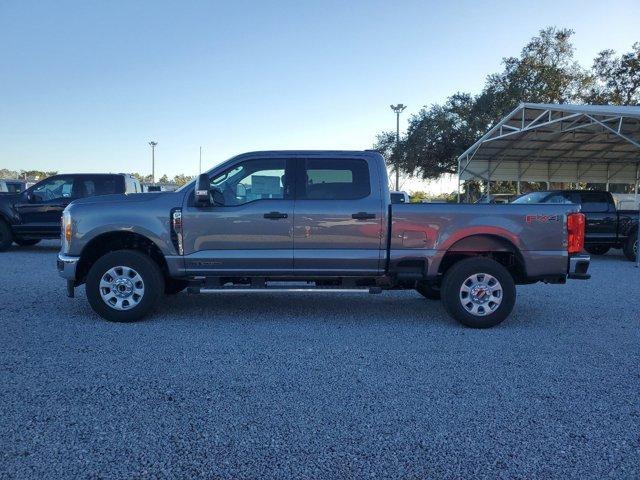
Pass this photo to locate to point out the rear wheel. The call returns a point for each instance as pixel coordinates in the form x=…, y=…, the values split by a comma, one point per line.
x=26, y=242
x=124, y=286
x=478, y=292
x=597, y=249
x=6, y=237
x=630, y=248
x=431, y=292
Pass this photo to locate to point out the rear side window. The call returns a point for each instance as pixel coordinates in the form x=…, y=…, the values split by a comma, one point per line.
x=100, y=186
x=595, y=202
x=334, y=179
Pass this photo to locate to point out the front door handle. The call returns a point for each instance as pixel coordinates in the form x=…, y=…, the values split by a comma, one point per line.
x=363, y=216
x=275, y=215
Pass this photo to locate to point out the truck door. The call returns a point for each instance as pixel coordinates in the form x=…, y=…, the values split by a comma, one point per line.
x=40, y=207
x=338, y=221
x=601, y=217
x=249, y=229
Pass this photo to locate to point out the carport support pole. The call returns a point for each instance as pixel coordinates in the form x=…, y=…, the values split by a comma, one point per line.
x=458, y=181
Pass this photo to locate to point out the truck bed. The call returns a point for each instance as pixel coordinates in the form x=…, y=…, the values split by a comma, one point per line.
x=535, y=232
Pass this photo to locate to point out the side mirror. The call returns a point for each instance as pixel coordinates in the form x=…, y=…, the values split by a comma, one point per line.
x=202, y=195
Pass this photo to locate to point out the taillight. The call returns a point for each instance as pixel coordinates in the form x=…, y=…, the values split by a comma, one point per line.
x=575, y=232
x=176, y=229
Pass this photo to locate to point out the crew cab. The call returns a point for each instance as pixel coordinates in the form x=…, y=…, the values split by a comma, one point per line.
x=606, y=226
x=34, y=214
x=317, y=221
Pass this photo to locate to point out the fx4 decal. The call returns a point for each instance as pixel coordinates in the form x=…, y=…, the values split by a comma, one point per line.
x=543, y=218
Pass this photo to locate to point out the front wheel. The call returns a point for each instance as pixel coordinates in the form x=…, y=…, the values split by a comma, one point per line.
x=26, y=242
x=478, y=292
x=6, y=237
x=631, y=247
x=124, y=286
x=597, y=249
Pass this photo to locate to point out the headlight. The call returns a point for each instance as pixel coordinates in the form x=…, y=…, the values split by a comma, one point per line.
x=67, y=231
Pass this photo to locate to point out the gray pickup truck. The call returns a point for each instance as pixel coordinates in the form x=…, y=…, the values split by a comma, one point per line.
x=312, y=221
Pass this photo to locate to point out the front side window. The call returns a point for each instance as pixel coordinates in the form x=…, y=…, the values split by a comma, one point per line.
x=250, y=181
x=335, y=179
x=53, y=189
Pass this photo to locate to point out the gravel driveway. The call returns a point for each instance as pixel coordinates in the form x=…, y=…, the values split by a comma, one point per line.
x=319, y=385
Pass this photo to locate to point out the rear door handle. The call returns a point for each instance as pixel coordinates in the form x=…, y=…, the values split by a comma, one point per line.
x=363, y=216
x=275, y=215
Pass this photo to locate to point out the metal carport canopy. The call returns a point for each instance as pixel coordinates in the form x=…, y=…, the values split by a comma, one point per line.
x=558, y=143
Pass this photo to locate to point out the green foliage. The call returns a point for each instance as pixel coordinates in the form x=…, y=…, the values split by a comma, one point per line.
x=419, y=196
x=545, y=72
x=182, y=179
x=616, y=80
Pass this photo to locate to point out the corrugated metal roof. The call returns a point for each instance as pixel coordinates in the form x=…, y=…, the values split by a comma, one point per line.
x=559, y=143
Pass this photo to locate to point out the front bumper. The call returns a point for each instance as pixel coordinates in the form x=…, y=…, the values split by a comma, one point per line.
x=578, y=266
x=67, y=266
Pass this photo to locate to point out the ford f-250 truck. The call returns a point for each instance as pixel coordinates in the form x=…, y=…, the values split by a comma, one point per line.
x=312, y=221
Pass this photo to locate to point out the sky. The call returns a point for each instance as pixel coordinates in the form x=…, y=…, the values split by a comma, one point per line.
x=85, y=85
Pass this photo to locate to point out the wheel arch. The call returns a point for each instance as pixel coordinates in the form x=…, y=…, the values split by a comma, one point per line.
x=499, y=248
x=119, y=240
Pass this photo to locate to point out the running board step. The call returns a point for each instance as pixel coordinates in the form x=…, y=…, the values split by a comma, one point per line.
x=196, y=290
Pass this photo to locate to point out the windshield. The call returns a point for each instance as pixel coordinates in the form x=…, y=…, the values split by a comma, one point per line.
x=543, y=197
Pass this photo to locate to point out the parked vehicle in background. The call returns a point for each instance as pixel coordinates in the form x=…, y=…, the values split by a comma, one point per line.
x=606, y=226
x=12, y=186
x=627, y=201
x=497, y=198
x=312, y=220
x=29, y=216
x=399, y=197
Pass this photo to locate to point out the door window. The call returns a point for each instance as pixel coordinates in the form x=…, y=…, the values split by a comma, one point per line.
x=252, y=180
x=335, y=179
x=53, y=189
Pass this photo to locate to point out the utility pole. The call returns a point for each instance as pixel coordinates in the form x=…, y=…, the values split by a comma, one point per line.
x=153, y=161
x=200, y=164
x=398, y=110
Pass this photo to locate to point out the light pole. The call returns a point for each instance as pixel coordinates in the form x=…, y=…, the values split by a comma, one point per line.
x=398, y=110
x=153, y=161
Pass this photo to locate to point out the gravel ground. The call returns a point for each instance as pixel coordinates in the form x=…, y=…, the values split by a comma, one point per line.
x=319, y=385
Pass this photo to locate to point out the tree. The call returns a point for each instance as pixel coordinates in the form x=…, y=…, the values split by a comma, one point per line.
x=616, y=80
x=545, y=72
x=182, y=179
x=164, y=179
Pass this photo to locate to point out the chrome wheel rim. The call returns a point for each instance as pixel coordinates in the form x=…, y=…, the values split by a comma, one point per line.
x=121, y=288
x=481, y=294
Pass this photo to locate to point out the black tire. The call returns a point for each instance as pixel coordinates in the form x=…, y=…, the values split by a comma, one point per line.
x=630, y=248
x=26, y=242
x=429, y=291
x=597, y=249
x=147, y=269
x=173, y=286
x=452, y=299
x=6, y=237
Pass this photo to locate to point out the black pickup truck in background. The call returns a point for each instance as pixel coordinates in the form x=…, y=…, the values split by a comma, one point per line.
x=34, y=214
x=606, y=226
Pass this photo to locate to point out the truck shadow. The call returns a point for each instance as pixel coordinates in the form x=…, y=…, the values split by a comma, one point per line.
x=45, y=246
x=336, y=308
